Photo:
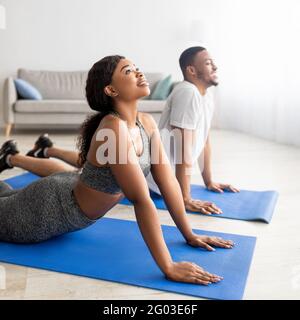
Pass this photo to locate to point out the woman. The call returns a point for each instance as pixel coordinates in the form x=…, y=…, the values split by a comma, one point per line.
x=69, y=201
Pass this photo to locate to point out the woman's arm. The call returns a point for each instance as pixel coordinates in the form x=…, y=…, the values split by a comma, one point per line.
x=133, y=184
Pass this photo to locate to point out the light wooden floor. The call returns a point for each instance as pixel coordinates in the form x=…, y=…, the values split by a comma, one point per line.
x=239, y=159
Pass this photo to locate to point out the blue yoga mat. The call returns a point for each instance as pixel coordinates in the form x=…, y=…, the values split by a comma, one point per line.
x=22, y=180
x=245, y=205
x=114, y=250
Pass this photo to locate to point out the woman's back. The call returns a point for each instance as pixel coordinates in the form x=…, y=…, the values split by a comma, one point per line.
x=96, y=181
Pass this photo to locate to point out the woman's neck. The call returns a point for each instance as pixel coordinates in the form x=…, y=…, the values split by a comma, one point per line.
x=127, y=111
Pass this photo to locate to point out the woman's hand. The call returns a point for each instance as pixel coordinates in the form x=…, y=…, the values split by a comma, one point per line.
x=220, y=187
x=191, y=273
x=207, y=242
x=204, y=207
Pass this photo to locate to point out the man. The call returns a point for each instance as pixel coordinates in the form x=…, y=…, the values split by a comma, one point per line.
x=188, y=115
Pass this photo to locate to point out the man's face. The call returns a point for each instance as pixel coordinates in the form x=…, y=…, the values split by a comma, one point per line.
x=205, y=69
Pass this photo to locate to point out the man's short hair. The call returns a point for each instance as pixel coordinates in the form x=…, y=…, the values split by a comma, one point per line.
x=187, y=57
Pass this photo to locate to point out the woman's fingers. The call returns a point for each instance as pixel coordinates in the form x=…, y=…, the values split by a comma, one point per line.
x=203, y=276
x=208, y=277
x=217, y=189
x=216, y=208
x=204, y=210
x=230, y=242
x=221, y=242
x=192, y=273
x=210, y=274
x=213, y=209
x=205, y=245
x=200, y=281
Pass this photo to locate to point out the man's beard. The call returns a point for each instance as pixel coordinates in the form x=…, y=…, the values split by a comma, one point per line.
x=211, y=82
x=214, y=83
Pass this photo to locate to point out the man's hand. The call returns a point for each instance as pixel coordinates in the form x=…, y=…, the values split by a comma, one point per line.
x=201, y=206
x=220, y=187
x=207, y=242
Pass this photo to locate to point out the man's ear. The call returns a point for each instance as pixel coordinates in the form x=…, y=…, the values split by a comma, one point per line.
x=110, y=91
x=191, y=70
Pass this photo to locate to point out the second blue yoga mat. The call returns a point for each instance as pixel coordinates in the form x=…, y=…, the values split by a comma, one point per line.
x=245, y=205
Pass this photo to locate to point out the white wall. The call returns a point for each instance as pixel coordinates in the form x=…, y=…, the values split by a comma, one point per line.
x=254, y=43
x=259, y=52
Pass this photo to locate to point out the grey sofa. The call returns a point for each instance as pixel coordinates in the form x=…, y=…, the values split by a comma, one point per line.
x=63, y=103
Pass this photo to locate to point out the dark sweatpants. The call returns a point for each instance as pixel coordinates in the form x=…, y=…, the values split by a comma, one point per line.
x=44, y=209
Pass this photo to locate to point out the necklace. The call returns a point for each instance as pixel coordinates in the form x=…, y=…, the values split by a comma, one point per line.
x=129, y=131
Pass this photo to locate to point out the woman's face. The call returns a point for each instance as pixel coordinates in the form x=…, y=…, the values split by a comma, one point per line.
x=128, y=83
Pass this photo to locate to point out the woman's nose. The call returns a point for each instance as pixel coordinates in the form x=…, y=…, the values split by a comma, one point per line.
x=139, y=74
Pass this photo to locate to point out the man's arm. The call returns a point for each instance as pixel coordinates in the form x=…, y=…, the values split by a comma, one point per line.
x=207, y=172
x=184, y=166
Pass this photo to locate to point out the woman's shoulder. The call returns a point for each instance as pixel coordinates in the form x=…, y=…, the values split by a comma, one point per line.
x=110, y=121
x=148, y=122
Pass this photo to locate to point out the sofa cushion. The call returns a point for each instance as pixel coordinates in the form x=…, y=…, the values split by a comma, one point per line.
x=52, y=106
x=76, y=106
x=26, y=90
x=68, y=85
x=162, y=89
x=56, y=84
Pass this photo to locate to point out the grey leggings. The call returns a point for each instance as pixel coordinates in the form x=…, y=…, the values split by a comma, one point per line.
x=44, y=209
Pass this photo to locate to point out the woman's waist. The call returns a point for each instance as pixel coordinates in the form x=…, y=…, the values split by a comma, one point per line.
x=94, y=203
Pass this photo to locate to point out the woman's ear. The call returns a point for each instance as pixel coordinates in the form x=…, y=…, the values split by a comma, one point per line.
x=110, y=91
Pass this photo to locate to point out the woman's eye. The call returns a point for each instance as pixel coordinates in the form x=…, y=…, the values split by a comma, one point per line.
x=127, y=71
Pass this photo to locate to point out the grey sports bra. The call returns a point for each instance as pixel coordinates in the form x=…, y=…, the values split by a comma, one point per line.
x=102, y=178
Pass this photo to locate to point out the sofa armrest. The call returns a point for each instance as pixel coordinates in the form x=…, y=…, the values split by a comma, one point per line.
x=10, y=98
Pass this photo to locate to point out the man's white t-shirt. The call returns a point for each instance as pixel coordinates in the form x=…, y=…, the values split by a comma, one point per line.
x=185, y=108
